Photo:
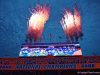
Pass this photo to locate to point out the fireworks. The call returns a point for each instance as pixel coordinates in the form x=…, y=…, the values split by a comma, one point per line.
x=77, y=21
x=72, y=24
x=37, y=20
x=67, y=23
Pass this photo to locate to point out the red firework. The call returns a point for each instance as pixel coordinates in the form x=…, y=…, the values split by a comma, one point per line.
x=77, y=21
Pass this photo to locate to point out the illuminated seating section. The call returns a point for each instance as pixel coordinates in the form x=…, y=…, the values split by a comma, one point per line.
x=53, y=50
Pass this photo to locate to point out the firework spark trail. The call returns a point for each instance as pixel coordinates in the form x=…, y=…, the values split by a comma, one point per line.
x=37, y=20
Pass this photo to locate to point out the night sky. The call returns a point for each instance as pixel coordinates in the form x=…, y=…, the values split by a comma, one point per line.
x=14, y=15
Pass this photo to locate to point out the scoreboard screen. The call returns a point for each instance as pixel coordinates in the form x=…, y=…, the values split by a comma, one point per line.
x=51, y=49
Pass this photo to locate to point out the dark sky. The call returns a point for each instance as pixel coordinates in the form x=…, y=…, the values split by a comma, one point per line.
x=13, y=24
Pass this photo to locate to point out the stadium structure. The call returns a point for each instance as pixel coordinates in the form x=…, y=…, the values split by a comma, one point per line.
x=51, y=58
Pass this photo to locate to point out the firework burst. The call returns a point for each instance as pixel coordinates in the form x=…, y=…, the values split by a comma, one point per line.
x=77, y=21
x=71, y=24
x=37, y=20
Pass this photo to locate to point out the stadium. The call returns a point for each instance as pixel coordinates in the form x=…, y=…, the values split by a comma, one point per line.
x=56, y=49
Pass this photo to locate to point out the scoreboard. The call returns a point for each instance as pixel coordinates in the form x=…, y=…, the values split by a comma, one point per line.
x=54, y=49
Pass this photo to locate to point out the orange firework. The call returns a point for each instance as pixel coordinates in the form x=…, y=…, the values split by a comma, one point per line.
x=67, y=23
x=37, y=20
x=72, y=24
